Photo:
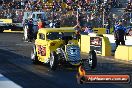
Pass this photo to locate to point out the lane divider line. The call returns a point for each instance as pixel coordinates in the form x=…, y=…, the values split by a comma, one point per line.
x=6, y=83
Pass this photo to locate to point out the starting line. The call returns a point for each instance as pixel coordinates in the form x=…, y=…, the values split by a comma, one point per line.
x=6, y=83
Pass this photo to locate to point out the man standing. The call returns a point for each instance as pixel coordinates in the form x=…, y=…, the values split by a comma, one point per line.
x=107, y=29
x=30, y=30
x=88, y=29
x=120, y=34
x=77, y=30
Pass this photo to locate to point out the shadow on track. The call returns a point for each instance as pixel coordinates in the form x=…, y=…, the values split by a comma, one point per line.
x=20, y=70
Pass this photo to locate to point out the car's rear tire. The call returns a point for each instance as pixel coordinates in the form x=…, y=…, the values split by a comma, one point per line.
x=34, y=56
x=92, y=59
x=53, y=60
x=1, y=30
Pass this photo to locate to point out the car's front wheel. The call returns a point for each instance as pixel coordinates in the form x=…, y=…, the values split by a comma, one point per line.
x=92, y=59
x=25, y=33
x=34, y=56
x=53, y=60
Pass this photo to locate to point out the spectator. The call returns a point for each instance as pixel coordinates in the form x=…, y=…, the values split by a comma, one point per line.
x=64, y=10
x=116, y=24
x=57, y=24
x=107, y=29
x=88, y=29
x=77, y=29
x=40, y=24
x=120, y=34
x=129, y=7
x=30, y=31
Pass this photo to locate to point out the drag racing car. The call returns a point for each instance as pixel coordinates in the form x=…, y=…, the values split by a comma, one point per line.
x=56, y=46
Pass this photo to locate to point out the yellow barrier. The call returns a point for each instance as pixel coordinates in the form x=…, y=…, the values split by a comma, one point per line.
x=101, y=30
x=5, y=20
x=130, y=53
x=85, y=43
x=13, y=31
x=98, y=30
x=100, y=44
x=124, y=52
x=106, y=47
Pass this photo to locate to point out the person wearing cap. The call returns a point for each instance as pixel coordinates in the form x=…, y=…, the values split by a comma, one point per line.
x=120, y=34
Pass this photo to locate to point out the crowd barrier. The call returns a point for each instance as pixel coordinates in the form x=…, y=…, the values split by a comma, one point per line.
x=101, y=30
x=124, y=52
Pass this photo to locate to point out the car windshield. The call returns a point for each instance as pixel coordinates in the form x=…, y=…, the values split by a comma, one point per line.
x=53, y=35
x=59, y=35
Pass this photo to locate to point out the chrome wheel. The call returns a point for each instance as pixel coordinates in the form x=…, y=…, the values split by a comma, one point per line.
x=53, y=60
x=25, y=33
x=92, y=59
x=34, y=56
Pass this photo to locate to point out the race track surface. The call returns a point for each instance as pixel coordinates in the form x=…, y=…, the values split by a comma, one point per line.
x=15, y=64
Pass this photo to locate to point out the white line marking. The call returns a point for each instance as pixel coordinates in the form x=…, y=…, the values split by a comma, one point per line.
x=6, y=83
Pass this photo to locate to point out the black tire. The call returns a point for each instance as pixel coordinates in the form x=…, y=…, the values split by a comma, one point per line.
x=92, y=59
x=1, y=30
x=34, y=56
x=53, y=61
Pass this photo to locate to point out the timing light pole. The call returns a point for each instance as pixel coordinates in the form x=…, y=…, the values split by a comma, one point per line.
x=103, y=18
x=53, y=13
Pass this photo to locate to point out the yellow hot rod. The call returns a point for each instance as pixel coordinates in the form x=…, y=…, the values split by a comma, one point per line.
x=56, y=46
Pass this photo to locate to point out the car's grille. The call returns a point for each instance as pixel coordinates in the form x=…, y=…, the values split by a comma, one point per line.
x=73, y=54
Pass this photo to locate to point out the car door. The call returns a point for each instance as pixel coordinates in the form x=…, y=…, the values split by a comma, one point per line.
x=41, y=46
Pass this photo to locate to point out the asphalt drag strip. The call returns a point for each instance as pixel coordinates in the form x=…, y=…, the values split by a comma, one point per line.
x=15, y=64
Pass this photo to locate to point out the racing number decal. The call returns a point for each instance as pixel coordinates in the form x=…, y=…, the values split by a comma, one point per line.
x=41, y=50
